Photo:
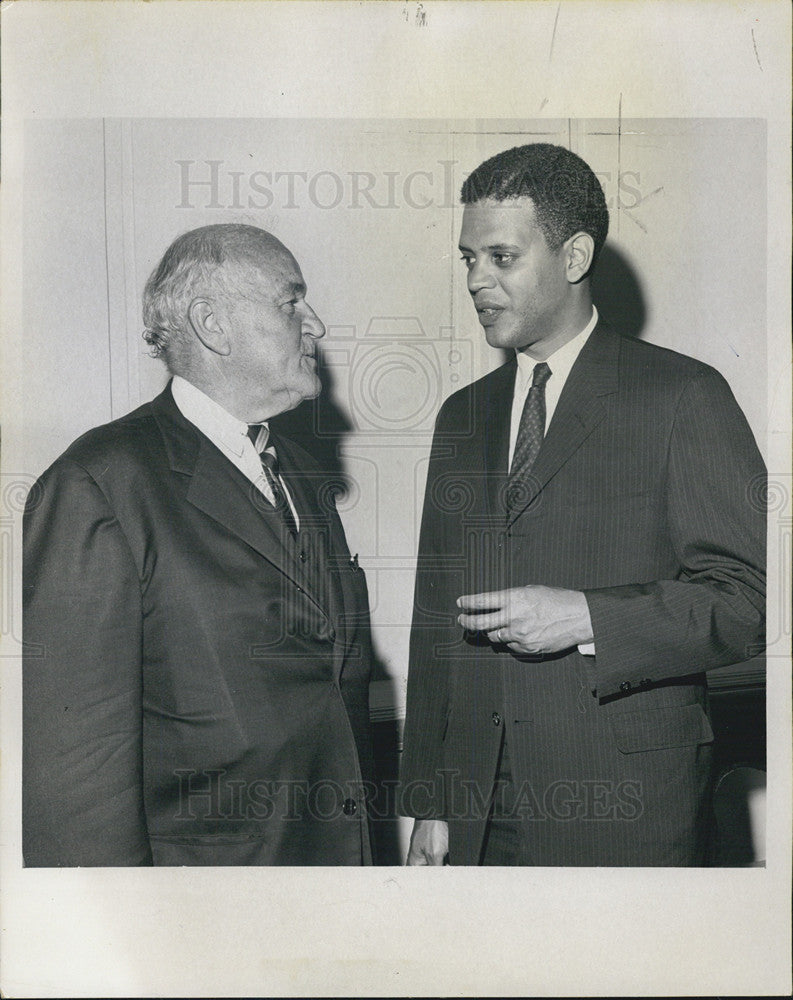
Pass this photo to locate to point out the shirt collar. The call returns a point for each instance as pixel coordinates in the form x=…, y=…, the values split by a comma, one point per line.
x=562, y=359
x=209, y=417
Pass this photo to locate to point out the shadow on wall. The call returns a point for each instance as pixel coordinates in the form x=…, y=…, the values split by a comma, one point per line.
x=320, y=427
x=617, y=293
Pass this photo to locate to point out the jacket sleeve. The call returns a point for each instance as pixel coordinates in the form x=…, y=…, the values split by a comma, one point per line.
x=82, y=688
x=713, y=613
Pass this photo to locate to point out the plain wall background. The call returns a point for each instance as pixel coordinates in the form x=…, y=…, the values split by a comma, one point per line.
x=370, y=209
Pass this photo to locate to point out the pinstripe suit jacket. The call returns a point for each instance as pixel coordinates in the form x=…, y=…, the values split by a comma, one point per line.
x=642, y=496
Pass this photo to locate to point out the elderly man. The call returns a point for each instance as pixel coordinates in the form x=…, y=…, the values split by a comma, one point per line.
x=589, y=549
x=197, y=686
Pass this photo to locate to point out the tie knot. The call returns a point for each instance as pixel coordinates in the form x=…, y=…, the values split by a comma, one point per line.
x=267, y=453
x=541, y=375
x=253, y=434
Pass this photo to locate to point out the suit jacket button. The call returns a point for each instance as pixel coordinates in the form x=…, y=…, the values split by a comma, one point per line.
x=496, y=719
x=302, y=557
x=349, y=807
x=626, y=686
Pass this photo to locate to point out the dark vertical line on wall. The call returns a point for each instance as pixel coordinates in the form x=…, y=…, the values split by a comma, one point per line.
x=134, y=397
x=569, y=134
x=107, y=272
x=619, y=161
x=452, y=257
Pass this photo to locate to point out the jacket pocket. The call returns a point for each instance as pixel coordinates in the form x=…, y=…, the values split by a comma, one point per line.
x=661, y=728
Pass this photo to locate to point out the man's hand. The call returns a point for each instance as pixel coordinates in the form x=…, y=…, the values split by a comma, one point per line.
x=429, y=842
x=530, y=620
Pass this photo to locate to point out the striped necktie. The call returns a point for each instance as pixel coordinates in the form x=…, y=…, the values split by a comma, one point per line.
x=269, y=459
x=530, y=434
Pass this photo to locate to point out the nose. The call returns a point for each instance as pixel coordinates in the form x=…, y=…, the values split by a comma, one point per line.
x=479, y=276
x=312, y=324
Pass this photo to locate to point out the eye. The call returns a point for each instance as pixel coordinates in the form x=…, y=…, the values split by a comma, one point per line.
x=290, y=305
x=503, y=259
x=467, y=260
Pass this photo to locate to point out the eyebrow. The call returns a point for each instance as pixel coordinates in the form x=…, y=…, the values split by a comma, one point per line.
x=492, y=246
x=294, y=288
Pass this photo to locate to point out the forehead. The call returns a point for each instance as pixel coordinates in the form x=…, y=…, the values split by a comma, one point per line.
x=273, y=268
x=490, y=223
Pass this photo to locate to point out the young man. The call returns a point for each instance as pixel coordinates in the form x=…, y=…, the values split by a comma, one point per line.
x=588, y=550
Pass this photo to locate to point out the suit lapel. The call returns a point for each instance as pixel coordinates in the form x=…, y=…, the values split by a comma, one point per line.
x=579, y=410
x=316, y=532
x=493, y=416
x=330, y=554
x=222, y=492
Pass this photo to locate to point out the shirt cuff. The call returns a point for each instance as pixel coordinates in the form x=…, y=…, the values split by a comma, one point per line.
x=587, y=649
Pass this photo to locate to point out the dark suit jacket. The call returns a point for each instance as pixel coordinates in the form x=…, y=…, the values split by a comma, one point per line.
x=195, y=692
x=646, y=496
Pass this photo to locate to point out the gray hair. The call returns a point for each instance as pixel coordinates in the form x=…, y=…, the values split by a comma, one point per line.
x=192, y=265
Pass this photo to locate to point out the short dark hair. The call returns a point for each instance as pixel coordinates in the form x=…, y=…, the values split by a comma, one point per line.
x=567, y=195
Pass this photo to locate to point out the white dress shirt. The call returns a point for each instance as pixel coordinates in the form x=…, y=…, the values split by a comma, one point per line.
x=228, y=434
x=560, y=363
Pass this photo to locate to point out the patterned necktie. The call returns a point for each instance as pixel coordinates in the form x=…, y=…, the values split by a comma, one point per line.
x=269, y=460
x=530, y=434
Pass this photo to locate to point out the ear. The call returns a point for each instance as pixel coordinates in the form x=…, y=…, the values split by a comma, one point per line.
x=206, y=326
x=579, y=253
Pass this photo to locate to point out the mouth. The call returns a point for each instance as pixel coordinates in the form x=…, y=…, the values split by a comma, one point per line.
x=488, y=314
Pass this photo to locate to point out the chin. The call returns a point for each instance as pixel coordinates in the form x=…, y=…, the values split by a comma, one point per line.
x=504, y=341
x=310, y=390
